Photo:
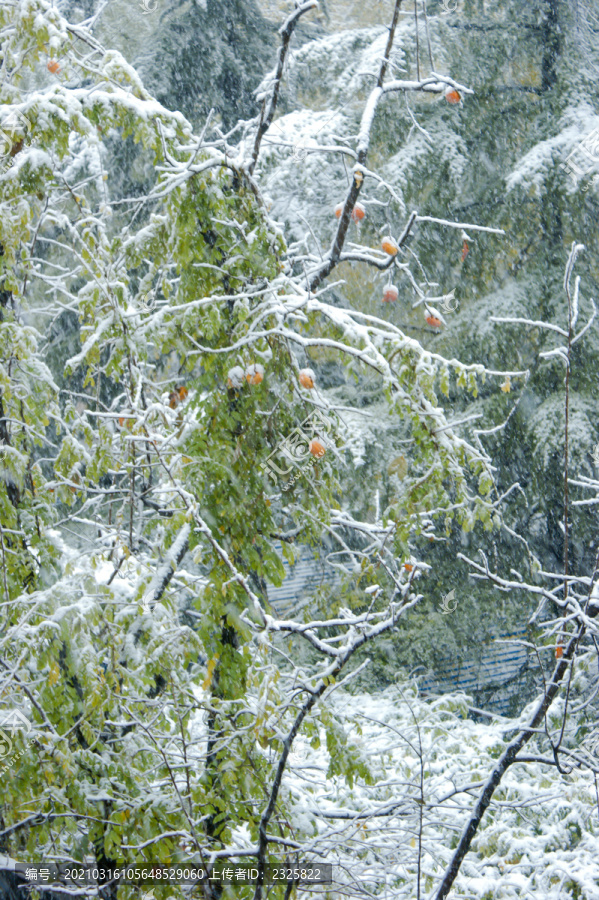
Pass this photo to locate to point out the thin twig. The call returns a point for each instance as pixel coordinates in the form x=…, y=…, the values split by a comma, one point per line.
x=269, y=105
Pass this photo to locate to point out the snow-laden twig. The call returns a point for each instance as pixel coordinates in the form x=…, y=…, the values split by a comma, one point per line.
x=269, y=104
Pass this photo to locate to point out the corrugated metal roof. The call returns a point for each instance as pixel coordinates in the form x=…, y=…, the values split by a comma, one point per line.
x=498, y=666
x=500, y=660
x=301, y=580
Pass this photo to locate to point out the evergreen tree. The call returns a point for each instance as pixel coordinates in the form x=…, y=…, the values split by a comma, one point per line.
x=213, y=55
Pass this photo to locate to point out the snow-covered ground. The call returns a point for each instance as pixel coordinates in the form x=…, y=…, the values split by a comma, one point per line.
x=428, y=763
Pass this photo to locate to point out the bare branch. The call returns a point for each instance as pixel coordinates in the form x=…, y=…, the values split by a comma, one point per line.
x=508, y=758
x=269, y=104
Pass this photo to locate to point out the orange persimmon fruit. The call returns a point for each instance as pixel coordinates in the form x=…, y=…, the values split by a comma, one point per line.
x=306, y=378
x=390, y=294
x=452, y=96
x=316, y=448
x=389, y=245
x=53, y=66
x=235, y=377
x=434, y=321
x=254, y=374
